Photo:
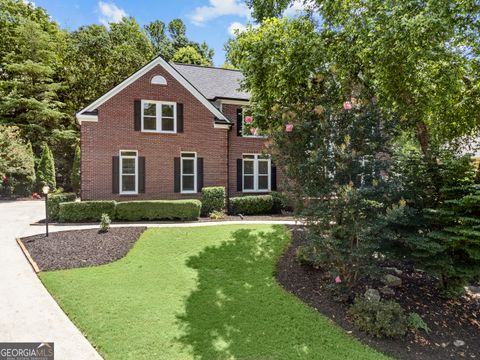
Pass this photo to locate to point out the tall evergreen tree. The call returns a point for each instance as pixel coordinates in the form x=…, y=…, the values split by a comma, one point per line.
x=29, y=91
x=75, y=175
x=46, y=169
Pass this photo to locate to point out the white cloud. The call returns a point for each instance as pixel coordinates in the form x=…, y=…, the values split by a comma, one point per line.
x=236, y=26
x=297, y=7
x=110, y=13
x=217, y=8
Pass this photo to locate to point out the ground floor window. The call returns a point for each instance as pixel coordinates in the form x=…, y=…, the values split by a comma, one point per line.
x=188, y=173
x=256, y=172
x=128, y=172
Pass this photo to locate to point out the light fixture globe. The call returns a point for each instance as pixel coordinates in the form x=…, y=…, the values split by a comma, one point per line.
x=46, y=189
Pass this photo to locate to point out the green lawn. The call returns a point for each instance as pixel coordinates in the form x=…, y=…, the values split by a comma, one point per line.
x=199, y=293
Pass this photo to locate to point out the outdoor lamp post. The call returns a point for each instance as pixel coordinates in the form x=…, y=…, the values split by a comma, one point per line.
x=45, y=190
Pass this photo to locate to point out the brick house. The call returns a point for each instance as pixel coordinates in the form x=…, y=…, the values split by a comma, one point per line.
x=167, y=131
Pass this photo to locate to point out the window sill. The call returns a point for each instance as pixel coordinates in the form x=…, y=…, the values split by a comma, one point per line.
x=256, y=191
x=254, y=137
x=158, y=132
x=128, y=193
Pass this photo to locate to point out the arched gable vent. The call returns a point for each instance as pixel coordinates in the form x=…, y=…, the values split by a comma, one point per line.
x=158, y=80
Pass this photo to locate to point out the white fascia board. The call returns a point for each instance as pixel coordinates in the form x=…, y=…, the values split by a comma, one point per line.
x=172, y=71
x=82, y=117
x=234, y=102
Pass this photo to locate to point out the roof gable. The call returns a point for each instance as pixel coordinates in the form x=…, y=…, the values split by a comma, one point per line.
x=87, y=113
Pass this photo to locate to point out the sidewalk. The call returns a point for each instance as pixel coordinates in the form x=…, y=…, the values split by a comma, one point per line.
x=27, y=311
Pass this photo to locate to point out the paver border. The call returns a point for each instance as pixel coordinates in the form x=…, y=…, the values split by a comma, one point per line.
x=32, y=262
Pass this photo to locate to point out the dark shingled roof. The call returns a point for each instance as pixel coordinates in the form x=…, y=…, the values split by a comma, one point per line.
x=213, y=82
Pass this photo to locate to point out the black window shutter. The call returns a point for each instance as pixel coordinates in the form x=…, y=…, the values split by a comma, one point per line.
x=239, y=175
x=115, y=174
x=137, y=115
x=179, y=117
x=199, y=174
x=273, y=177
x=141, y=174
x=239, y=121
x=176, y=174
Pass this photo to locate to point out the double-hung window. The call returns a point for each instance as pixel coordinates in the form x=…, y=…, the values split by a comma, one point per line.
x=256, y=173
x=159, y=116
x=128, y=172
x=188, y=173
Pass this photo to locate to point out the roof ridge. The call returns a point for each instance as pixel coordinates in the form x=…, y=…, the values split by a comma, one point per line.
x=207, y=67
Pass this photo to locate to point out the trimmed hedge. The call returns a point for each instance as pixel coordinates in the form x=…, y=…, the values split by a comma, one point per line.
x=83, y=211
x=213, y=199
x=251, y=205
x=158, y=210
x=54, y=201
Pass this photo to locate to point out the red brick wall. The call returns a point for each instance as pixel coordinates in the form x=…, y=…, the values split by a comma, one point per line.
x=239, y=146
x=114, y=131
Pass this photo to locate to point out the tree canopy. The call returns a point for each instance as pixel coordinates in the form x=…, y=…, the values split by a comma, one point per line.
x=420, y=58
x=48, y=74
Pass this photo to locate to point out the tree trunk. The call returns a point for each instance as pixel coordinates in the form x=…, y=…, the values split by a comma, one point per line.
x=421, y=132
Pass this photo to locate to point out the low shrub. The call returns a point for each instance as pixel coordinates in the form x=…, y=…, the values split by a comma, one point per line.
x=379, y=318
x=105, y=222
x=251, y=205
x=158, y=210
x=54, y=201
x=82, y=211
x=281, y=202
x=213, y=199
x=416, y=322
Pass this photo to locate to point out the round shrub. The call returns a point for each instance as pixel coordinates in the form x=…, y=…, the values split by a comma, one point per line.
x=251, y=205
x=213, y=199
x=379, y=318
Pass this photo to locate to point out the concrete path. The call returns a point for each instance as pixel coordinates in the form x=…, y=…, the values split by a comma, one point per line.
x=37, y=229
x=27, y=311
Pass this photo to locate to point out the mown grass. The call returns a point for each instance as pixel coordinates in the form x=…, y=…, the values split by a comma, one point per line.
x=199, y=293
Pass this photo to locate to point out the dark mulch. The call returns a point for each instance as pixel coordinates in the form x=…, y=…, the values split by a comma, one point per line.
x=448, y=320
x=81, y=248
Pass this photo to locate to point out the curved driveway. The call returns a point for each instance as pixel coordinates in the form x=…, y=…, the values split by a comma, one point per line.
x=27, y=311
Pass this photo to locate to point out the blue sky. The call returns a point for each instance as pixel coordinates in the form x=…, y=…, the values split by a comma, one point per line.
x=212, y=21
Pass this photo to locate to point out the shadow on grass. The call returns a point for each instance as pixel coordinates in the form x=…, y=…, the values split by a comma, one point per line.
x=238, y=311
x=231, y=313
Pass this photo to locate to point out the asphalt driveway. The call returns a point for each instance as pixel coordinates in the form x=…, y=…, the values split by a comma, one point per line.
x=27, y=311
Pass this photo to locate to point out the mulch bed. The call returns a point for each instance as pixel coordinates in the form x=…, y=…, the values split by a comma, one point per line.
x=81, y=248
x=447, y=320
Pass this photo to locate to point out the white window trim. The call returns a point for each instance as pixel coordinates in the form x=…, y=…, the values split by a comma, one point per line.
x=194, y=172
x=158, y=117
x=255, y=174
x=120, y=172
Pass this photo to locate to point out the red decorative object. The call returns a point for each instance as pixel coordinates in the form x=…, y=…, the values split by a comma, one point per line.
x=253, y=131
x=36, y=196
x=347, y=105
x=289, y=127
x=248, y=119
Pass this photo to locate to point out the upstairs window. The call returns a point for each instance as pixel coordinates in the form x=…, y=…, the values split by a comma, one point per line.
x=247, y=126
x=256, y=173
x=159, y=116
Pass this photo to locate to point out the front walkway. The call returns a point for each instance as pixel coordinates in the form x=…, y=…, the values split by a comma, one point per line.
x=27, y=311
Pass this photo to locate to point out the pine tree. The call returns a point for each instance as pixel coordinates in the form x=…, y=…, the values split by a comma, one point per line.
x=46, y=169
x=75, y=175
x=28, y=88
